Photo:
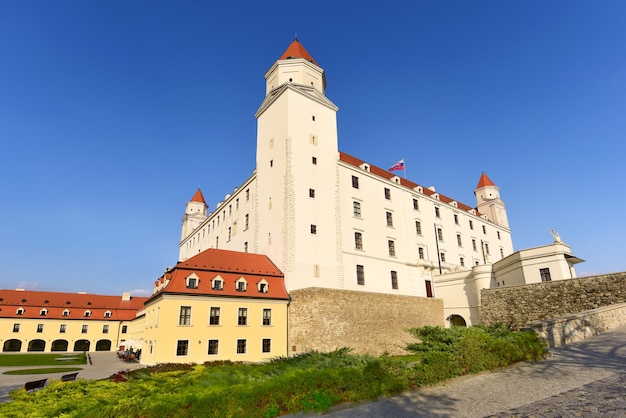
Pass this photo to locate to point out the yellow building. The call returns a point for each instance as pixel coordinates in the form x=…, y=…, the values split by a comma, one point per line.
x=55, y=321
x=217, y=305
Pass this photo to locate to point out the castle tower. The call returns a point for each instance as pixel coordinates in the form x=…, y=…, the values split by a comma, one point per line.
x=488, y=201
x=297, y=223
x=195, y=213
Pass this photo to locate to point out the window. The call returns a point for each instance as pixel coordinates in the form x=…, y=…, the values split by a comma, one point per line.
x=437, y=212
x=456, y=219
x=462, y=262
x=429, y=288
x=387, y=194
x=243, y=316
x=267, y=345
x=360, y=275
x=87, y=314
x=471, y=224
x=16, y=327
x=182, y=347
x=474, y=244
x=418, y=227
x=416, y=204
x=214, y=316
x=107, y=314
x=267, y=317
x=84, y=329
x=358, y=241
x=124, y=329
x=394, y=279
x=246, y=224
x=241, y=285
x=312, y=193
x=213, y=347
x=241, y=346
x=389, y=216
x=486, y=248
x=39, y=327
x=356, y=209
x=62, y=328
x=313, y=229
x=458, y=240
x=502, y=252
x=498, y=234
x=230, y=230
x=245, y=247
x=544, y=273
x=392, y=247
x=262, y=286
x=217, y=284
x=247, y=194
x=440, y=234
x=442, y=257
x=105, y=329
x=20, y=311
x=43, y=312
x=420, y=252
x=355, y=182
x=185, y=315
x=484, y=229
x=271, y=163
x=192, y=283
x=314, y=160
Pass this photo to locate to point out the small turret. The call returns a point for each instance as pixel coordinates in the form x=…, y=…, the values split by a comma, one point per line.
x=488, y=201
x=195, y=214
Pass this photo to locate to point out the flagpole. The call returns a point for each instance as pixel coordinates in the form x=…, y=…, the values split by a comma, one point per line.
x=404, y=168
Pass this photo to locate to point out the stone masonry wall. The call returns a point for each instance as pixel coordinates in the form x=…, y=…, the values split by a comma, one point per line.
x=374, y=323
x=517, y=306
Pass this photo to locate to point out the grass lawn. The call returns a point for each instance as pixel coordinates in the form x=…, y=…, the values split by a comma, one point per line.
x=44, y=370
x=48, y=359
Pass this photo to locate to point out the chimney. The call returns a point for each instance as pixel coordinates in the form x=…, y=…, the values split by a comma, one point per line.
x=125, y=296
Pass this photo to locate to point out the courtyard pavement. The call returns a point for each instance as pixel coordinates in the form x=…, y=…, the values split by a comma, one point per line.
x=104, y=364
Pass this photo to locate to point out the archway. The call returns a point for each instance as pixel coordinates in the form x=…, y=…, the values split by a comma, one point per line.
x=12, y=346
x=59, y=345
x=457, y=321
x=103, y=345
x=82, y=345
x=36, y=345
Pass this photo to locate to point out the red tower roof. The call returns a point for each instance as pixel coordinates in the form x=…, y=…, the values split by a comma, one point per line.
x=296, y=50
x=484, y=181
x=198, y=197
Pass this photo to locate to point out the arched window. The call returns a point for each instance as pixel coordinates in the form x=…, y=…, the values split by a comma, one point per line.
x=43, y=312
x=87, y=313
x=20, y=311
x=241, y=285
x=263, y=286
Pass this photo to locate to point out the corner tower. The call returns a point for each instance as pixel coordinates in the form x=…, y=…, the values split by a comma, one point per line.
x=297, y=158
x=195, y=214
x=488, y=201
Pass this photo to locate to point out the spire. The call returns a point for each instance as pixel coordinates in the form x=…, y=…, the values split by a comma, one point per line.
x=296, y=50
x=197, y=197
x=484, y=181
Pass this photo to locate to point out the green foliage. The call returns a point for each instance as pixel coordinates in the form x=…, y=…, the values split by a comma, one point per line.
x=44, y=370
x=311, y=381
x=33, y=359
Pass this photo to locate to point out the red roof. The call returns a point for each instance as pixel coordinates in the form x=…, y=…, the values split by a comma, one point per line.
x=55, y=303
x=296, y=50
x=197, y=197
x=484, y=181
x=404, y=182
x=230, y=266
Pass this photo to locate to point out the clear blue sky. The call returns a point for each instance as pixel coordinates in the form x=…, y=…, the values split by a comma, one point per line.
x=112, y=114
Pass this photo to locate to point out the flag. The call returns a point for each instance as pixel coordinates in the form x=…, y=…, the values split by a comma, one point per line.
x=398, y=166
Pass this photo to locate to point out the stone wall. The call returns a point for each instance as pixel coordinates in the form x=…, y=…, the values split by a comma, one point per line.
x=576, y=327
x=374, y=323
x=517, y=306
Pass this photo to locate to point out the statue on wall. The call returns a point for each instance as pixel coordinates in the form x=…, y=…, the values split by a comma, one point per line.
x=556, y=236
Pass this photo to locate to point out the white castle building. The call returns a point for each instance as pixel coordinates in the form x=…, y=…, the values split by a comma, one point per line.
x=331, y=220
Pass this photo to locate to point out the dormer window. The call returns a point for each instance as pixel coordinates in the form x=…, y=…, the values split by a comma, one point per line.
x=217, y=283
x=241, y=285
x=43, y=312
x=262, y=286
x=87, y=313
x=66, y=312
x=191, y=281
x=20, y=311
x=107, y=314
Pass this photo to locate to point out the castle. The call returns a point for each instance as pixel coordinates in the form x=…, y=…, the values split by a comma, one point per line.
x=318, y=249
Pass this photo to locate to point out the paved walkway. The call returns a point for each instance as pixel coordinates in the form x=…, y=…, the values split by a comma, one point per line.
x=104, y=364
x=585, y=379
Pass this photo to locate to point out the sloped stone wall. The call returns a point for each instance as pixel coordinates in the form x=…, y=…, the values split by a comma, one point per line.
x=374, y=323
x=517, y=306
